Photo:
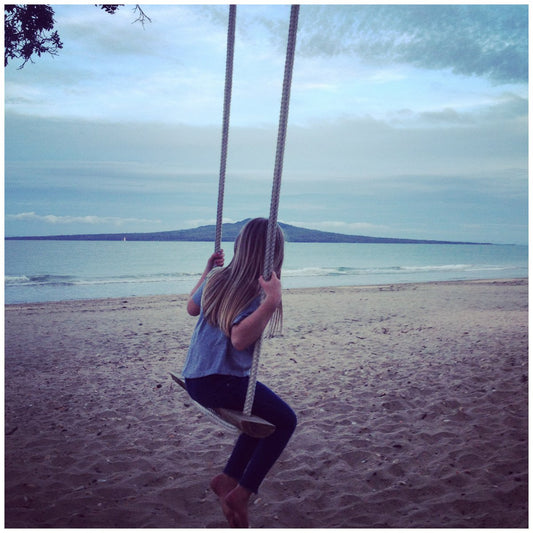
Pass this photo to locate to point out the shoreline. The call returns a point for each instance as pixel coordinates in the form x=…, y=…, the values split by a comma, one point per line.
x=285, y=290
x=412, y=405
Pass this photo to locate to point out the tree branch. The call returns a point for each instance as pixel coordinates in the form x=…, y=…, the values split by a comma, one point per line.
x=142, y=16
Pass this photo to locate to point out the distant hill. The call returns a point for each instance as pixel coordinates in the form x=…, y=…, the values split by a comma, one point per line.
x=230, y=232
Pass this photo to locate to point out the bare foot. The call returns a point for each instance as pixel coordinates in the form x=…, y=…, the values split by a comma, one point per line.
x=222, y=485
x=237, y=501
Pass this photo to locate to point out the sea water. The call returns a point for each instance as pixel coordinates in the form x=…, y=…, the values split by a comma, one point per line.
x=39, y=271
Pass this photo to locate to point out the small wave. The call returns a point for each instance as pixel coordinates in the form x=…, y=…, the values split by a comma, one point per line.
x=16, y=280
x=149, y=278
x=313, y=271
x=407, y=269
x=55, y=280
x=43, y=279
x=452, y=268
x=436, y=268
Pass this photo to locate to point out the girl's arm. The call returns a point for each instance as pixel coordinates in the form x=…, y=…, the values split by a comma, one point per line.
x=216, y=259
x=250, y=329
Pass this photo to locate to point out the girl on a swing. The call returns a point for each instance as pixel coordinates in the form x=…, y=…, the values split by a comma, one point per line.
x=232, y=318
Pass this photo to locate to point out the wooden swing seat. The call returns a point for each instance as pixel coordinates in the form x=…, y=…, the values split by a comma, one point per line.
x=251, y=425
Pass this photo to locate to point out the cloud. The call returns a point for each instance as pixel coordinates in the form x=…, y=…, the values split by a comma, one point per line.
x=504, y=108
x=480, y=40
x=89, y=219
x=349, y=58
x=472, y=40
x=183, y=160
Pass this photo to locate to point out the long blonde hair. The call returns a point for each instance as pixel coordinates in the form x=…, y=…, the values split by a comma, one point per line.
x=229, y=290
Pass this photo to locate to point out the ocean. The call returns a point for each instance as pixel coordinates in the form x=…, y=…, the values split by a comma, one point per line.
x=41, y=271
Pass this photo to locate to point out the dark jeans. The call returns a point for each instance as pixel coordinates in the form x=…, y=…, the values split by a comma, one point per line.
x=251, y=458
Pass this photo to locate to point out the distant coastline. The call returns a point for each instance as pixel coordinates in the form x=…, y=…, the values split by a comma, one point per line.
x=230, y=232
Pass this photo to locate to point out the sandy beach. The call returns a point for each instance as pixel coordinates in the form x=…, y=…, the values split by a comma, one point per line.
x=412, y=403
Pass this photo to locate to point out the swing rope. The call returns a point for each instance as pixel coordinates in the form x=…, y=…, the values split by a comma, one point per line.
x=225, y=123
x=245, y=421
x=276, y=190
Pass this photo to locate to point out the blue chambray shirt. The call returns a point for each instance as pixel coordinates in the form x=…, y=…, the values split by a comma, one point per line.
x=211, y=352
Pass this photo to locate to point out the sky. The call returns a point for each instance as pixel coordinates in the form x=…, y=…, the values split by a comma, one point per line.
x=406, y=121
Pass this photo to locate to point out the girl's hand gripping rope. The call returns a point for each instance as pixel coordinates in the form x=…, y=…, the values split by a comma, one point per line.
x=272, y=289
x=216, y=260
